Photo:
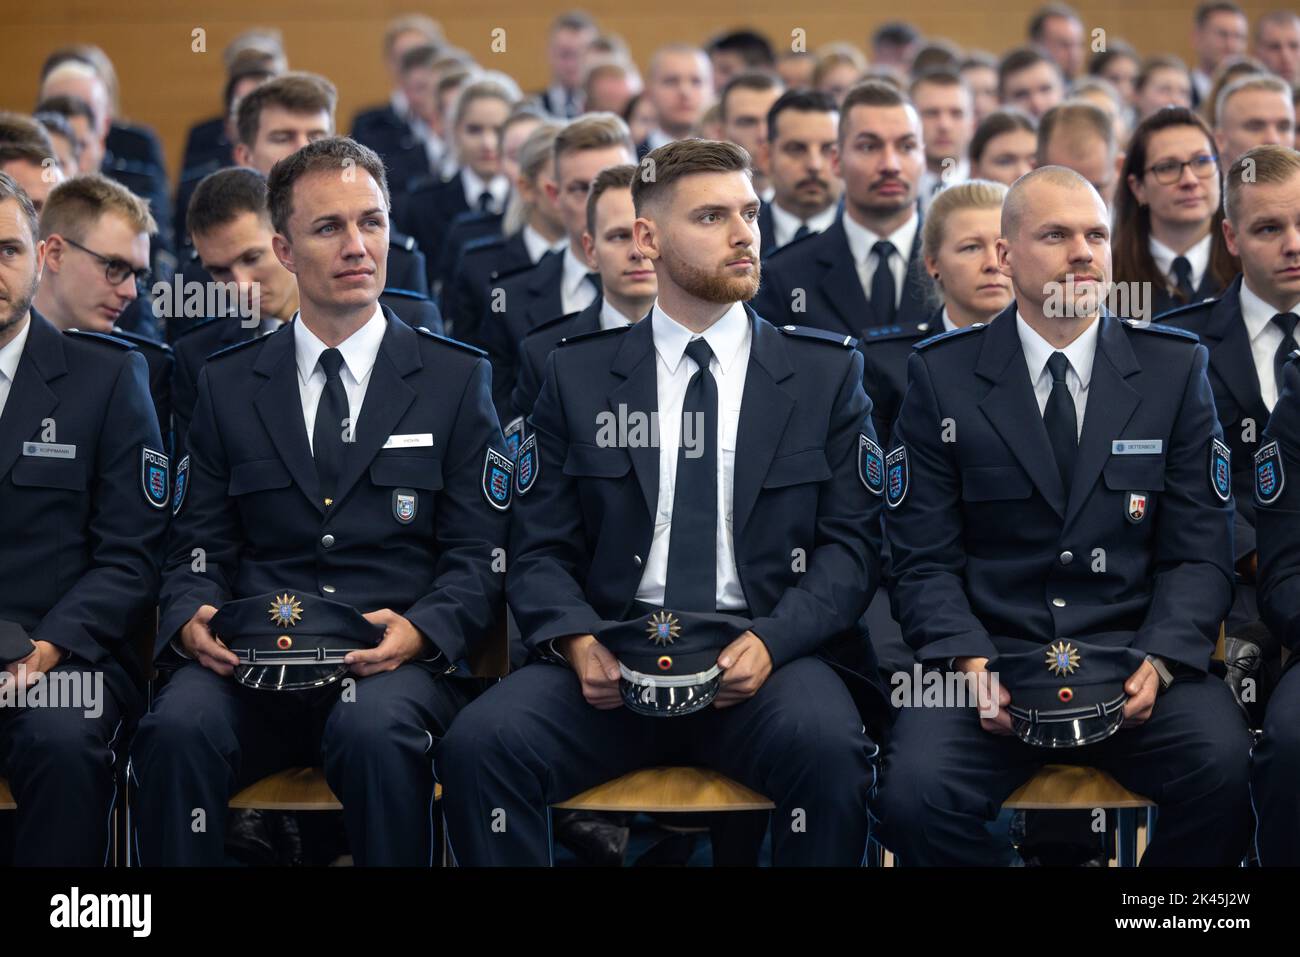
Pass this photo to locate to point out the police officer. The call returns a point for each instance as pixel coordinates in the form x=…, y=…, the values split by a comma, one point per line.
x=96, y=235
x=1058, y=477
x=770, y=523
x=82, y=524
x=1266, y=230
x=345, y=457
x=864, y=269
x=627, y=282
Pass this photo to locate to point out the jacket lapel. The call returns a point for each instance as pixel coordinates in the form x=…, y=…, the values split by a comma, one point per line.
x=634, y=364
x=279, y=406
x=1012, y=407
x=764, y=410
x=839, y=280
x=1230, y=354
x=30, y=399
x=1111, y=402
x=545, y=296
x=915, y=303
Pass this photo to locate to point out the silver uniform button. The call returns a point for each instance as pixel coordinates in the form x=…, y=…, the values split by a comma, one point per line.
x=1067, y=557
x=637, y=559
x=327, y=589
x=1058, y=602
x=327, y=540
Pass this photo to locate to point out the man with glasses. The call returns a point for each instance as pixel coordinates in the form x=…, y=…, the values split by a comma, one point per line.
x=82, y=527
x=96, y=234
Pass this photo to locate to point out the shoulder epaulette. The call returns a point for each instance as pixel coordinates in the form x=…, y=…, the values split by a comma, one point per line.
x=1162, y=329
x=549, y=323
x=1201, y=306
x=480, y=243
x=203, y=325
x=235, y=347
x=405, y=293
x=906, y=330
x=447, y=340
x=819, y=335
x=499, y=274
x=595, y=333
x=950, y=334
x=794, y=242
x=141, y=342
x=104, y=337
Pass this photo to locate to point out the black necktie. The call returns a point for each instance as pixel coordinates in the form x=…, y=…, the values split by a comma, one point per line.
x=485, y=202
x=801, y=232
x=1183, y=278
x=1286, y=321
x=692, y=580
x=327, y=435
x=1060, y=419
x=882, y=285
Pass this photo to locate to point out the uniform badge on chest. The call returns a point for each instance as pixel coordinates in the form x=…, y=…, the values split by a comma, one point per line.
x=1136, y=509
x=405, y=504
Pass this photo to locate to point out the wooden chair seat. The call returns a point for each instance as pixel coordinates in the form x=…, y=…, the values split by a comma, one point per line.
x=665, y=790
x=1060, y=787
x=295, y=789
x=7, y=802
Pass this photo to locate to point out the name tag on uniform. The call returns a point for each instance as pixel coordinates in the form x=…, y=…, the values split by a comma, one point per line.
x=48, y=450
x=412, y=441
x=1137, y=447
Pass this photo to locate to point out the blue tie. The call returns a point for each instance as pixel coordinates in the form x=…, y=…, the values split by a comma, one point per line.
x=691, y=583
x=882, y=285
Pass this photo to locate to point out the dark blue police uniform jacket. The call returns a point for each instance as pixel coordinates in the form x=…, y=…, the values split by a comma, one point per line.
x=987, y=551
x=1279, y=516
x=580, y=536
x=529, y=297
x=252, y=502
x=83, y=537
x=821, y=265
x=537, y=346
x=482, y=261
x=885, y=351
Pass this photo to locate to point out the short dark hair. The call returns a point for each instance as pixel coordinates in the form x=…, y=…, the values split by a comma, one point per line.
x=9, y=189
x=421, y=57
x=869, y=93
x=995, y=124
x=249, y=64
x=56, y=124
x=611, y=177
x=1049, y=12
x=222, y=196
x=753, y=47
x=937, y=54
x=68, y=107
x=1017, y=61
x=1207, y=10
x=1115, y=50
x=296, y=92
x=938, y=77
x=22, y=138
x=801, y=101
x=897, y=33
x=757, y=81
x=331, y=154
x=665, y=165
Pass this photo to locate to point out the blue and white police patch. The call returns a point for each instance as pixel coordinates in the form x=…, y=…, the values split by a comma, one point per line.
x=1270, y=478
x=527, y=465
x=514, y=432
x=497, y=474
x=1220, y=469
x=405, y=504
x=182, y=484
x=871, y=465
x=896, y=477
x=153, y=477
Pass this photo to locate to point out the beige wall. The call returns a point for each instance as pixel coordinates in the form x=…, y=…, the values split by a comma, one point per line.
x=169, y=86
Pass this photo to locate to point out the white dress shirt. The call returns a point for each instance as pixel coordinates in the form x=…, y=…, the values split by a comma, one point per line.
x=729, y=338
x=359, y=353
x=9, y=357
x=932, y=184
x=1080, y=354
x=611, y=318
x=948, y=324
x=474, y=185
x=785, y=224
x=1198, y=257
x=577, y=292
x=1265, y=337
x=538, y=246
x=861, y=242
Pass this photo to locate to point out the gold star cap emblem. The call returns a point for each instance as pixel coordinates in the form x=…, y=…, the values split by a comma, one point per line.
x=1062, y=658
x=663, y=628
x=285, y=611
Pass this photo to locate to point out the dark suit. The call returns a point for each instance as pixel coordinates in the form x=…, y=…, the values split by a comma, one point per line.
x=766, y=231
x=191, y=350
x=79, y=569
x=482, y=262
x=207, y=141
x=536, y=348
x=427, y=212
x=253, y=507
x=577, y=543
x=517, y=304
x=161, y=363
x=822, y=266
x=991, y=557
x=472, y=226
x=403, y=153
x=133, y=157
x=1163, y=301
x=1276, y=777
x=885, y=351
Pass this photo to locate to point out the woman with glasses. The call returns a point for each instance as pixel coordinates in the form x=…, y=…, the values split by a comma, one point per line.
x=1165, y=213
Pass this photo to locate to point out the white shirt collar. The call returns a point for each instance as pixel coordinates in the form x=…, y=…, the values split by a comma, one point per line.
x=725, y=337
x=398, y=101
x=861, y=239
x=786, y=224
x=1038, y=350
x=657, y=138
x=575, y=271
x=359, y=349
x=948, y=324
x=611, y=318
x=537, y=245
x=1198, y=256
x=474, y=186
x=1256, y=313
x=13, y=352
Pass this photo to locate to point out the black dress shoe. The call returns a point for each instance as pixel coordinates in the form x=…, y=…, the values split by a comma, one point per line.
x=597, y=840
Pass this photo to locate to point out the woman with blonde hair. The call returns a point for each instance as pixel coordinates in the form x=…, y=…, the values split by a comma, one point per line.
x=959, y=247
